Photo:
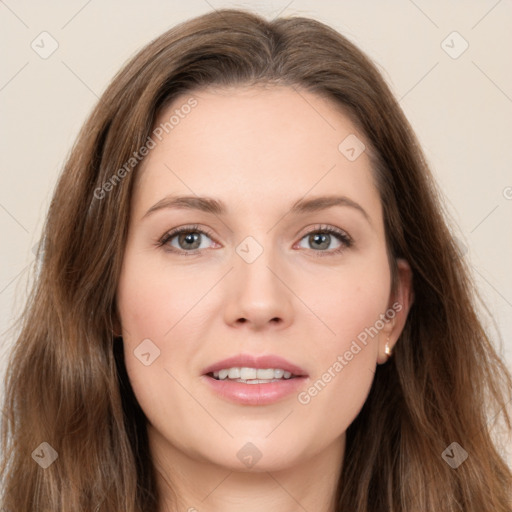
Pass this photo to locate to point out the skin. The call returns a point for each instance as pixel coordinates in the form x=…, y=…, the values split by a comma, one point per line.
x=258, y=150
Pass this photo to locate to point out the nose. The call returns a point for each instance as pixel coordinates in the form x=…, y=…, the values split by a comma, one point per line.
x=258, y=294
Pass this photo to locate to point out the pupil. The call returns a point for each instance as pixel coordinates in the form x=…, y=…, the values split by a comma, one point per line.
x=190, y=238
x=318, y=239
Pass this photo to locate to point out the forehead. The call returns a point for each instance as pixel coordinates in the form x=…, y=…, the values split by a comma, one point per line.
x=252, y=144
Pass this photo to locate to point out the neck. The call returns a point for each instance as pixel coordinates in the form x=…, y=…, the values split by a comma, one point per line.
x=189, y=482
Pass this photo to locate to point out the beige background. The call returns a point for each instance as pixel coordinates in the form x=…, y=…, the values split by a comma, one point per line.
x=459, y=107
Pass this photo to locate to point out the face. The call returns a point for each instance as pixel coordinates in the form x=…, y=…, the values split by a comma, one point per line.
x=267, y=273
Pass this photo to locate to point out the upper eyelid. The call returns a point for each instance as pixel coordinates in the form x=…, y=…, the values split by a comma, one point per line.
x=169, y=235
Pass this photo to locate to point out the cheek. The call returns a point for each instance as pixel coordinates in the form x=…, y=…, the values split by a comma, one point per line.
x=346, y=301
x=345, y=364
x=335, y=397
x=155, y=306
x=350, y=308
x=152, y=298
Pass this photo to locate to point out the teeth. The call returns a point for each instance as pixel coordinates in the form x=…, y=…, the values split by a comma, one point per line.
x=234, y=373
x=223, y=374
x=252, y=374
x=249, y=373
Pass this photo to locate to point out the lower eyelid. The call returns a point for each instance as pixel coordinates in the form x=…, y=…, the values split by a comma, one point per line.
x=344, y=239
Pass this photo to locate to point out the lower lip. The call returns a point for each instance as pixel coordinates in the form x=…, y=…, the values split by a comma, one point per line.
x=255, y=394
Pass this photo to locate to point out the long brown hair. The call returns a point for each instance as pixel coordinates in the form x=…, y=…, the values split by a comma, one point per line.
x=66, y=384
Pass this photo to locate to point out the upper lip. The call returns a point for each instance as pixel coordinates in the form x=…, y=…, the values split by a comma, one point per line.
x=254, y=361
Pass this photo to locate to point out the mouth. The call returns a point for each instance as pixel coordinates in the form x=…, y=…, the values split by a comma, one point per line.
x=256, y=391
x=254, y=380
x=248, y=367
x=247, y=375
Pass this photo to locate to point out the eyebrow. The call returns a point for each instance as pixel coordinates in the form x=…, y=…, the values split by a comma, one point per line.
x=216, y=207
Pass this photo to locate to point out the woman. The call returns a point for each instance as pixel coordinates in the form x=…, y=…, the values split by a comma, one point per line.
x=315, y=347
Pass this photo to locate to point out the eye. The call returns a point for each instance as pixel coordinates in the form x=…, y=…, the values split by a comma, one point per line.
x=186, y=239
x=322, y=237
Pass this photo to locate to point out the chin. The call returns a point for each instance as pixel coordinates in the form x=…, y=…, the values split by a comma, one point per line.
x=258, y=455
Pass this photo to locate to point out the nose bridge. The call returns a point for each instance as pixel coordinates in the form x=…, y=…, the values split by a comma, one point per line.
x=255, y=257
x=256, y=292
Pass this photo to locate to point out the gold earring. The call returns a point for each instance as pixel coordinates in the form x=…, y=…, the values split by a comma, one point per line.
x=387, y=349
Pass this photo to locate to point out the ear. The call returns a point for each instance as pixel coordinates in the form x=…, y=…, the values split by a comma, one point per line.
x=400, y=302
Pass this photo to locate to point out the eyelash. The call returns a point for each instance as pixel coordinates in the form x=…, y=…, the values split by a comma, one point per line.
x=346, y=240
